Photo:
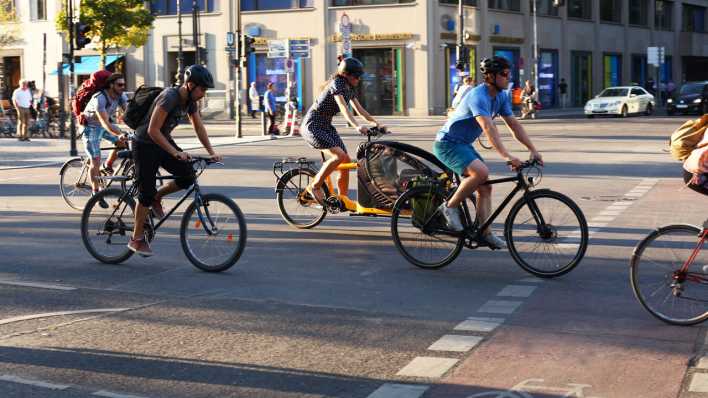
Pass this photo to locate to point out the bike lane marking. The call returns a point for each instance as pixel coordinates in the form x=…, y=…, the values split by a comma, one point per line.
x=40, y=285
x=60, y=313
x=393, y=390
x=35, y=383
x=109, y=394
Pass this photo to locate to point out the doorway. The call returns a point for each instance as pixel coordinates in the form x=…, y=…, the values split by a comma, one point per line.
x=11, y=74
x=581, y=77
x=188, y=58
x=381, y=89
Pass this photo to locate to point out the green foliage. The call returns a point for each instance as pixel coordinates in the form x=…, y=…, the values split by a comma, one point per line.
x=9, y=33
x=113, y=23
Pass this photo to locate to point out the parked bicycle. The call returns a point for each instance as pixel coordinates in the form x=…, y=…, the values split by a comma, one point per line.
x=212, y=230
x=669, y=271
x=546, y=232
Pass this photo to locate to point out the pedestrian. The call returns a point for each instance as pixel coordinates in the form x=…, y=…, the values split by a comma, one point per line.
x=270, y=108
x=467, y=85
x=563, y=90
x=255, y=99
x=22, y=99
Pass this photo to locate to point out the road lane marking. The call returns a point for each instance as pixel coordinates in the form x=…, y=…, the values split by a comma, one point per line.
x=37, y=284
x=602, y=218
x=391, y=390
x=61, y=313
x=516, y=291
x=431, y=367
x=499, y=306
x=109, y=394
x=531, y=279
x=477, y=324
x=36, y=383
x=607, y=212
x=699, y=382
x=702, y=363
x=455, y=343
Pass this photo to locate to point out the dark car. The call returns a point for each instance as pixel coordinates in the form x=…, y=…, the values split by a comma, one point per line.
x=692, y=97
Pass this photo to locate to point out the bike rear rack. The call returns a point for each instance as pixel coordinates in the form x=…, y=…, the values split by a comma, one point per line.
x=283, y=166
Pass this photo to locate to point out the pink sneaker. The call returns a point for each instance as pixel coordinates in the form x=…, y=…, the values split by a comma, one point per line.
x=141, y=247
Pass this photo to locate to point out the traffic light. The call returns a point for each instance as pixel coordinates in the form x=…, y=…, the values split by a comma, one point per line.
x=80, y=38
x=203, y=53
x=463, y=58
x=248, y=45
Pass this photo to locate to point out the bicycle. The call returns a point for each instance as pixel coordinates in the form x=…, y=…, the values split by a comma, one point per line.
x=546, y=232
x=108, y=219
x=668, y=270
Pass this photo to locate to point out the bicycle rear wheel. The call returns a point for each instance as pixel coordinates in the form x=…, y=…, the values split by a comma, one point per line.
x=295, y=204
x=675, y=296
x=75, y=183
x=417, y=233
x=484, y=141
x=546, y=233
x=213, y=234
x=107, y=226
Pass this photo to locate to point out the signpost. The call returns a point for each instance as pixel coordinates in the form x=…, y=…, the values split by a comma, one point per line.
x=655, y=57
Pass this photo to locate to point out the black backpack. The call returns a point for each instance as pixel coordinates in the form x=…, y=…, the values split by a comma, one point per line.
x=137, y=112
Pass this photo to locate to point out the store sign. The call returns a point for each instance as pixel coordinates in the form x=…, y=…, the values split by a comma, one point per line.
x=375, y=37
x=506, y=40
x=299, y=48
x=277, y=48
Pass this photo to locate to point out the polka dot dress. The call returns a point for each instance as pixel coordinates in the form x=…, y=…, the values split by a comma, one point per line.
x=318, y=131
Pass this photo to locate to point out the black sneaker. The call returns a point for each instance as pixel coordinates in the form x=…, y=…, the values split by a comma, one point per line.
x=101, y=202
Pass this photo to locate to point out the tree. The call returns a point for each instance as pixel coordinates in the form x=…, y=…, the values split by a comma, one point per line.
x=9, y=31
x=113, y=23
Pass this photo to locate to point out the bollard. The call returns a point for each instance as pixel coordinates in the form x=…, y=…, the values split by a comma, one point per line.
x=264, y=131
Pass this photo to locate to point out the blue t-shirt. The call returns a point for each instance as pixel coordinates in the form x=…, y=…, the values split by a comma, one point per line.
x=462, y=127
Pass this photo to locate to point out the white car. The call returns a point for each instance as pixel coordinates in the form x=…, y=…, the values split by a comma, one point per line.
x=621, y=101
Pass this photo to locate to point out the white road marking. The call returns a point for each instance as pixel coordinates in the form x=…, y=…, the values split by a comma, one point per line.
x=36, y=383
x=699, y=382
x=391, y=390
x=531, y=280
x=37, y=284
x=499, y=307
x=610, y=212
x=634, y=194
x=601, y=218
x=516, y=291
x=702, y=363
x=109, y=394
x=476, y=324
x=455, y=342
x=431, y=367
x=62, y=313
x=597, y=224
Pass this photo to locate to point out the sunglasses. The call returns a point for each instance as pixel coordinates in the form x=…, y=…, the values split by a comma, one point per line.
x=120, y=84
x=505, y=74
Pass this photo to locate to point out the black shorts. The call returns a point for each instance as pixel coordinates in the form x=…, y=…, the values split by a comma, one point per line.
x=148, y=159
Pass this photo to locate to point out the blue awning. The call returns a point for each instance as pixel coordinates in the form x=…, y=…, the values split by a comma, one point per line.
x=89, y=64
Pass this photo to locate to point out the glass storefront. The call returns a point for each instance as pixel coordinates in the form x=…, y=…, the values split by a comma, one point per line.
x=548, y=77
x=381, y=89
x=453, y=75
x=612, y=70
x=639, y=69
x=264, y=70
x=580, y=77
x=513, y=56
x=188, y=58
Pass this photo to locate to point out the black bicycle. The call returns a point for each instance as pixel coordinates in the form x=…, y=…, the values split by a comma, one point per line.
x=212, y=231
x=545, y=231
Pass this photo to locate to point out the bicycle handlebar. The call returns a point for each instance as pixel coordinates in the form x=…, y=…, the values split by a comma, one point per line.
x=527, y=164
x=376, y=131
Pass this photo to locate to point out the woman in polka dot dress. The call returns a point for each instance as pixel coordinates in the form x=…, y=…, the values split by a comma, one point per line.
x=319, y=132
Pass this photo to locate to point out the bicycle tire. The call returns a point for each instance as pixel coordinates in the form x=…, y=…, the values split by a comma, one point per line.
x=553, y=238
x=235, y=244
x=108, y=219
x=406, y=234
x=483, y=141
x=291, y=187
x=75, y=190
x=680, y=240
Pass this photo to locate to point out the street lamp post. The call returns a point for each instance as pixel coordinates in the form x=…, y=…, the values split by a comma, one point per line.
x=535, y=45
x=461, y=53
x=180, y=55
x=72, y=120
x=195, y=31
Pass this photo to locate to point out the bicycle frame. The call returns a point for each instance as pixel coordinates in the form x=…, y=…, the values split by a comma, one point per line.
x=683, y=274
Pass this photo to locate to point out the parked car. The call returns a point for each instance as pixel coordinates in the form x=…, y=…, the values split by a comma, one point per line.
x=691, y=97
x=621, y=101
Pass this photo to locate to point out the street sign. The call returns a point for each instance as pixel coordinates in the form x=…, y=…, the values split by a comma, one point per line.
x=277, y=48
x=230, y=39
x=299, y=48
x=655, y=56
x=230, y=49
x=345, y=29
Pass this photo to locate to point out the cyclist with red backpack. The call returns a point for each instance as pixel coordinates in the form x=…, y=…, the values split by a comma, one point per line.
x=96, y=121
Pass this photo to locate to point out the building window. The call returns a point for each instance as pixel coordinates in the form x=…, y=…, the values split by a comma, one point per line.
x=580, y=9
x=337, y=3
x=639, y=69
x=40, y=10
x=638, y=12
x=169, y=7
x=612, y=70
x=544, y=7
x=262, y=5
x=611, y=11
x=472, y=3
x=694, y=18
x=663, y=15
x=508, y=5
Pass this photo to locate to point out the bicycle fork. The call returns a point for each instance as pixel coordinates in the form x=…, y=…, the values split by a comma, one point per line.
x=204, y=216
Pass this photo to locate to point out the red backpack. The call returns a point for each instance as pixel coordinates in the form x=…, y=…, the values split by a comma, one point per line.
x=88, y=88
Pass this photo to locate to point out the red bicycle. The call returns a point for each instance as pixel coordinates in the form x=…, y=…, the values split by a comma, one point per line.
x=668, y=271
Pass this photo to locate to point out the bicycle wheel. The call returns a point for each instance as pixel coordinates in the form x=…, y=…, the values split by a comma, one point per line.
x=484, y=141
x=417, y=232
x=213, y=235
x=107, y=226
x=75, y=183
x=659, y=283
x=546, y=233
x=296, y=206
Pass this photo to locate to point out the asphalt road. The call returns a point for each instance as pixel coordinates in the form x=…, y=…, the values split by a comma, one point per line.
x=336, y=311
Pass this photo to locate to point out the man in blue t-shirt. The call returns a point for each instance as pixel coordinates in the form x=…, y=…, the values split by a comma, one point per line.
x=453, y=144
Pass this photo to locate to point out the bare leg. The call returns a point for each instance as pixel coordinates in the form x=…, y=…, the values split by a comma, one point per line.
x=95, y=171
x=476, y=174
x=141, y=213
x=484, y=204
x=167, y=189
x=112, y=157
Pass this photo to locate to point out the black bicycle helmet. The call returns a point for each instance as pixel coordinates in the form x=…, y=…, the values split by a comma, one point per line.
x=199, y=75
x=493, y=65
x=351, y=66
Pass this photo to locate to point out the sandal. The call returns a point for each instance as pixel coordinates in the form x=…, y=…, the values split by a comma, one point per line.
x=312, y=192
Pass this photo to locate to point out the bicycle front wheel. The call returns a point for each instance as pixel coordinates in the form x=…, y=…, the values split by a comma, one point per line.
x=295, y=204
x=107, y=226
x=213, y=233
x=75, y=183
x=659, y=280
x=417, y=230
x=546, y=233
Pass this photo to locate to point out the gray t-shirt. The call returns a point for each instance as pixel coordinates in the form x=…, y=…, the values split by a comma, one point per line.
x=102, y=102
x=169, y=101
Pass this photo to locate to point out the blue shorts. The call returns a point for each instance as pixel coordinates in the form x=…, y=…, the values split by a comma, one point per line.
x=92, y=137
x=456, y=156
